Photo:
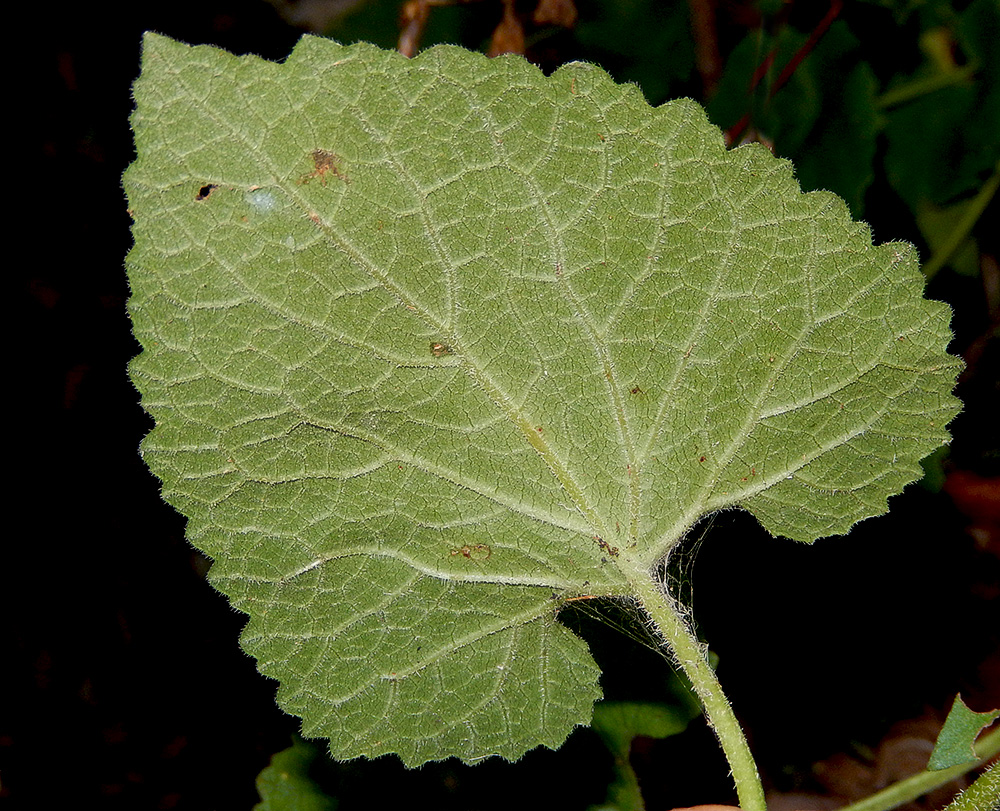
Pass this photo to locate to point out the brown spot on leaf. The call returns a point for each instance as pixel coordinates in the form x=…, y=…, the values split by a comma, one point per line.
x=604, y=545
x=439, y=350
x=479, y=551
x=326, y=163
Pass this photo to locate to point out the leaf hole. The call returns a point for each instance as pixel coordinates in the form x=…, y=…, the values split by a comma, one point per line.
x=205, y=191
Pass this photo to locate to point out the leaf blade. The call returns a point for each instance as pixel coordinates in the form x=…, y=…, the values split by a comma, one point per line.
x=495, y=336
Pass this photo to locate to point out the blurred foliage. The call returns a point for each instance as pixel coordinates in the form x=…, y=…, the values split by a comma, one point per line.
x=824, y=118
x=955, y=125
x=285, y=785
x=622, y=38
x=618, y=723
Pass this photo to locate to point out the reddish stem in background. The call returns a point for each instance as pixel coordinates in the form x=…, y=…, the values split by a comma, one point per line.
x=834, y=11
x=706, y=44
x=734, y=133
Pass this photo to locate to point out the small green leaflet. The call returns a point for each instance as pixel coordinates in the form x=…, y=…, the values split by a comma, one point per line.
x=955, y=744
x=433, y=345
x=285, y=784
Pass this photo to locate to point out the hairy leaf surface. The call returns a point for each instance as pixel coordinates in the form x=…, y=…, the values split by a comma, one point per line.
x=434, y=344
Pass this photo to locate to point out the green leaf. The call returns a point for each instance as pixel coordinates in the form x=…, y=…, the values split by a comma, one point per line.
x=618, y=723
x=433, y=345
x=285, y=784
x=955, y=743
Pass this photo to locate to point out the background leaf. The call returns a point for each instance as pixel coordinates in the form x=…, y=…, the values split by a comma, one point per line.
x=285, y=785
x=431, y=342
x=824, y=119
x=955, y=121
x=618, y=723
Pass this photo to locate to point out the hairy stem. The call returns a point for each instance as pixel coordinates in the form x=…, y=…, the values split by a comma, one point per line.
x=690, y=655
x=984, y=793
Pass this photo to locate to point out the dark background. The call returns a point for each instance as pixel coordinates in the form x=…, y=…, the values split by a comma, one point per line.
x=126, y=687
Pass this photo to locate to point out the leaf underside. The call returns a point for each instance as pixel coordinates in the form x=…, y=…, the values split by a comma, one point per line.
x=432, y=345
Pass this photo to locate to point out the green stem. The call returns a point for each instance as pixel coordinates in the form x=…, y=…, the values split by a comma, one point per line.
x=928, y=84
x=624, y=791
x=912, y=787
x=690, y=655
x=973, y=210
